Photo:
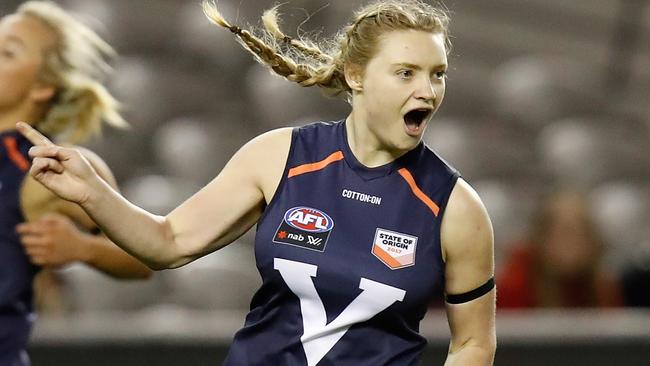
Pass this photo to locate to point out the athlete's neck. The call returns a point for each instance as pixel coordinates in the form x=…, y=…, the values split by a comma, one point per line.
x=365, y=145
x=9, y=117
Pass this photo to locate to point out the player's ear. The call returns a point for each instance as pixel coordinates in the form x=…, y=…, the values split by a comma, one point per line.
x=42, y=92
x=354, y=76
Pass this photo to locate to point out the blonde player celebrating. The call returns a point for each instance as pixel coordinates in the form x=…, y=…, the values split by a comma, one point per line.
x=359, y=223
x=49, y=69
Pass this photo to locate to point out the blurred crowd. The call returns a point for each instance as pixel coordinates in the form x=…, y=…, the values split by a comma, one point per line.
x=560, y=156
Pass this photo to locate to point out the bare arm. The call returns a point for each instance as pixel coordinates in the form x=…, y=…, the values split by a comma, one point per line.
x=212, y=218
x=233, y=202
x=56, y=233
x=467, y=241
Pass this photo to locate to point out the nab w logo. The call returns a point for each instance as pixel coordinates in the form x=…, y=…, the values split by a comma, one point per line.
x=319, y=337
x=304, y=227
x=314, y=241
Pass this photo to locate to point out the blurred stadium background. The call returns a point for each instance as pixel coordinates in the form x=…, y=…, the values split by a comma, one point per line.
x=540, y=93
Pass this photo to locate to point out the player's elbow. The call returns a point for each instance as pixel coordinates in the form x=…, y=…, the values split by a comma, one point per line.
x=474, y=351
x=161, y=264
x=176, y=264
x=171, y=261
x=486, y=350
x=169, y=254
x=144, y=273
x=158, y=262
x=490, y=351
x=487, y=347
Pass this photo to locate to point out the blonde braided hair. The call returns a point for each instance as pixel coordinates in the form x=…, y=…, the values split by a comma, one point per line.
x=308, y=63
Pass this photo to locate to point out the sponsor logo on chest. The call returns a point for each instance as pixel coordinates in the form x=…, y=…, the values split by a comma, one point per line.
x=395, y=250
x=305, y=227
x=361, y=197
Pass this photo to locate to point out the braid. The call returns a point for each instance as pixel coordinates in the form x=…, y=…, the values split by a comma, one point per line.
x=321, y=73
x=308, y=64
x=270, y=20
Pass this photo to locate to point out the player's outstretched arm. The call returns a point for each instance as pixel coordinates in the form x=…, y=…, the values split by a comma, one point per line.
x=467, y=241
x=212, y=218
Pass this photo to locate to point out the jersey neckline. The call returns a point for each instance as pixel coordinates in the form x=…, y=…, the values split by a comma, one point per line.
x=368, y=173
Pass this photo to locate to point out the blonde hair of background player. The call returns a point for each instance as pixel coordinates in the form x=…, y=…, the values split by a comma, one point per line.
x=75, y=67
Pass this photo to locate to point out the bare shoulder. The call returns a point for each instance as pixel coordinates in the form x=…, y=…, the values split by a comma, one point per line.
x=271, y=143
x=265, y=157
x=466, y=222
x=464, y=201
x=35, y=199
x=467, y=238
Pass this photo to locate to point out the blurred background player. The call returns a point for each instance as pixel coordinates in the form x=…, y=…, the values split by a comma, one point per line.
x=562, y=263
x=50, y=71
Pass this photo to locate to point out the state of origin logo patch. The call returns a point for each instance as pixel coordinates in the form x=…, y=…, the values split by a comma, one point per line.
x=305, y=227
x=396, y=250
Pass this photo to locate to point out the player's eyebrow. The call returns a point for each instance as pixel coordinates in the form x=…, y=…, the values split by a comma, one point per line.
x=409, y=65
x=16, y=40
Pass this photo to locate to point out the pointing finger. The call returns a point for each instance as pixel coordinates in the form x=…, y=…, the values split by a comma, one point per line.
x=32, y=135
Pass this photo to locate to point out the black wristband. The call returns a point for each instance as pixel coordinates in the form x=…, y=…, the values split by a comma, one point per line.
x=471, y=295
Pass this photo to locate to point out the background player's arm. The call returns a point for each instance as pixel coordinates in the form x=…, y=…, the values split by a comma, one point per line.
x=215, y=216
x=57, y=231
x=468, y=248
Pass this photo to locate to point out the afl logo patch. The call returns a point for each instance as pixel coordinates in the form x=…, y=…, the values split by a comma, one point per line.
x=308, y=219
x=305, y=227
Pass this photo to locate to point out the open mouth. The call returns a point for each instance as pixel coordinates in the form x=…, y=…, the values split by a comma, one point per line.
x=414, y=119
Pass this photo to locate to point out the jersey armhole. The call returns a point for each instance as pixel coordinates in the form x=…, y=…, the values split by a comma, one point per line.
x=452, y=184
x=278, y=190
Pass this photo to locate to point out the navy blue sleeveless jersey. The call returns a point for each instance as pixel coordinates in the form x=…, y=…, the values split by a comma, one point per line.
x=16, y=271
x=349, y=256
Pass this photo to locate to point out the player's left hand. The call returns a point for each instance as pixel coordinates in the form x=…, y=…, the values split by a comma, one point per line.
x=52, y=241
x=64, y=171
